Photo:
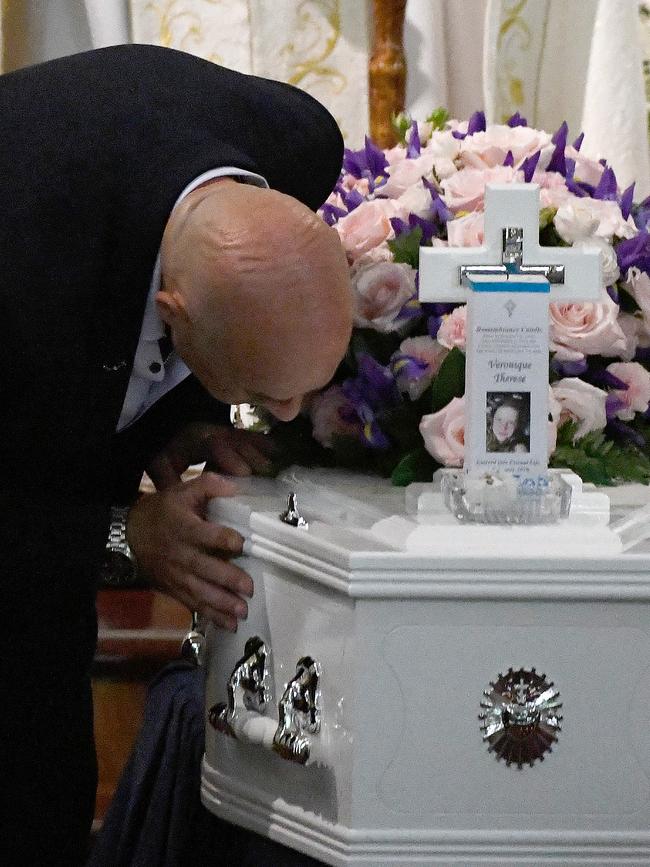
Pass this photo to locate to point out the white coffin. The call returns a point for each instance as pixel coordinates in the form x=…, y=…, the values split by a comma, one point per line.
x=410, y=617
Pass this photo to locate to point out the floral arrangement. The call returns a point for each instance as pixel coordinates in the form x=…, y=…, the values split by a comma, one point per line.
x=396, y=405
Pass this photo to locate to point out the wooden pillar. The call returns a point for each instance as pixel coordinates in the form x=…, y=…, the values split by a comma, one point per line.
x=387, y=69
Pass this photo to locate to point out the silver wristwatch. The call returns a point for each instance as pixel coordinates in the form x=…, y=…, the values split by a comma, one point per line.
x=119, y=566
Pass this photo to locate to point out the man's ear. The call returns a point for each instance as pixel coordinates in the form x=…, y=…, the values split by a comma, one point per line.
x=171, y=306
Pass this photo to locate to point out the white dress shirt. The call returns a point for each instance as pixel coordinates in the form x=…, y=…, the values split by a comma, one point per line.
x=152, y=376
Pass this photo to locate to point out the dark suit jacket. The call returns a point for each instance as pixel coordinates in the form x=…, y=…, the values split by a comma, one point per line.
x=95, y=148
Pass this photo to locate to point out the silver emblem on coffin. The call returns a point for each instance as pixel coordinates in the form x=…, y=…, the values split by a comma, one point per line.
x=520, y=718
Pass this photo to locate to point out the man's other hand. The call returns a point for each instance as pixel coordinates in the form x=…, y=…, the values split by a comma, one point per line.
x=187, y=556
x=226, y=449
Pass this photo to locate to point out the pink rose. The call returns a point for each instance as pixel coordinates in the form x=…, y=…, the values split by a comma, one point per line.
x=490, y=148
x=366, y=227
x=404, y=174
x=381, y=289
x=452, y=329
x=395, y=155
x=581, y=402
x=585, y=329
x=553, y=190
x=425, y=350
x=465, y=191
x=637, y=395
x=415, y=200
x=361, y=185
x=443, y=433
x=632, y=327
x=380, y=253
x=326, y=416
x=467, y=231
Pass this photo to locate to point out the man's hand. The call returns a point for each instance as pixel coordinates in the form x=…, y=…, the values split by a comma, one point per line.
x=232, y=451
x=187, y=556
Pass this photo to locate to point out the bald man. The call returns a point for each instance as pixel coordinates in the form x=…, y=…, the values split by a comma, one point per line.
x=146, y=194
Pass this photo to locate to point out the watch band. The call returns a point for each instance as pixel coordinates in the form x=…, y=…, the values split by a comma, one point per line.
x=117, y=533
x=119, y=567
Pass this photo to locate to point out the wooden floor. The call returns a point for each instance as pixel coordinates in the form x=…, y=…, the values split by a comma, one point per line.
x=140, y=631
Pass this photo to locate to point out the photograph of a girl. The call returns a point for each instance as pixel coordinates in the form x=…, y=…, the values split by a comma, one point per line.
x=507, y=422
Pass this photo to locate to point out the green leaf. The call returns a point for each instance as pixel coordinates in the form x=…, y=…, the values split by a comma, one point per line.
x=438, y=118
x=406, y=247
x=625, y=301
x=450, y=381
x=401, y=124
x=417, y=466
x=600, y=460
x=546, y=216
x=375, y=343
x=549, y=237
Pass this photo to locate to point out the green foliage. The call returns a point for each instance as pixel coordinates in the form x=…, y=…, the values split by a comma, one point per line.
x=438, y=118
x=450, y=381
x=406, y=247
x=417, y=466
x=365, y=340
x=548, y=236
x=626, y=302
x=599, y=460
x=546, y=216
x=401, y=124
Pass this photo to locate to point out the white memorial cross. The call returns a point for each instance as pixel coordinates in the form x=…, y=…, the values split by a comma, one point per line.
x=507, y=285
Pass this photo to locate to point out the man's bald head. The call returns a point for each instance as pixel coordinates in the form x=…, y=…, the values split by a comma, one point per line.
x=256, y=291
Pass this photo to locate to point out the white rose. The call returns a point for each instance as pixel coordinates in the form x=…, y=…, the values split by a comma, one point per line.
x=575, y=221
x=416, y=200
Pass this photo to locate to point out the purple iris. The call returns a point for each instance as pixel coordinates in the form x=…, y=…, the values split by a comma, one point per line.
x=368, y=162
x=331, y=214
x=569, y=368
x=437, y=313
x=607, y=189
x=414, y=145
x=509, y=160
x=626, y=201
x=476, y=124
x=577, y=187
x=634, y=252
x=441, y=212
x=605, y=379
x=372, y=390
x=516, y=120
x=642, y=215
x=577, y=144
x=408, y=369
x=529, y=165
x=558, y=163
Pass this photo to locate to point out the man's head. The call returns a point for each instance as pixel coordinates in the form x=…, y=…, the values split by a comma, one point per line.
x=256, y=292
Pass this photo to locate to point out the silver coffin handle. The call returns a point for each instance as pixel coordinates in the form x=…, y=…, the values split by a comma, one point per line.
x=299, y=708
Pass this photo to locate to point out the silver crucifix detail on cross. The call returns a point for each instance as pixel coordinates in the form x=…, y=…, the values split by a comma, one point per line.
x=511, y=246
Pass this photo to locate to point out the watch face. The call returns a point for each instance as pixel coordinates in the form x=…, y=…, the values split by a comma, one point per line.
x=117, y=569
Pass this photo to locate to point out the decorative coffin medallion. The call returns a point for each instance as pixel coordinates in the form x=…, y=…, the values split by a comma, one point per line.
x=520, y=717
